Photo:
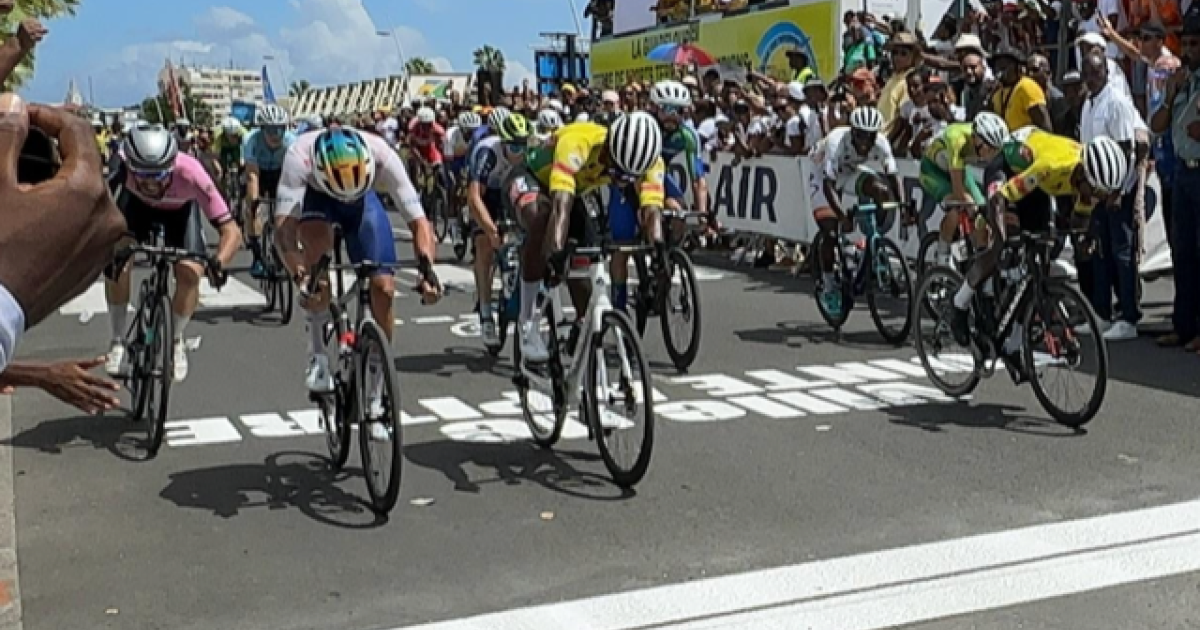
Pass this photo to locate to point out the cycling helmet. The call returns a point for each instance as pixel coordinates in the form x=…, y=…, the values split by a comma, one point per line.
x=426, y=116
x=1104, y=164
x=271, y=115
x=496, y=118
x=150, y=148
x=671, y=94
x=231, y=125
x=316, y=122
x=342, y=163
x=866, y=118
x=515, y=129
x=634, y=142
x=991, y=129
x=469, y=121
x=549, y=120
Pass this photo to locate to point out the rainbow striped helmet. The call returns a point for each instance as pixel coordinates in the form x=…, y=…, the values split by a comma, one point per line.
x=343, y=165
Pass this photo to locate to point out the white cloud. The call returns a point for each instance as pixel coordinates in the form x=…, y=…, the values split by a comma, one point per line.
x=223, y=19
x=515, y=72
x=441, y=64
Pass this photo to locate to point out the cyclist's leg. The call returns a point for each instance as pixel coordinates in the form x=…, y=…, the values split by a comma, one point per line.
x=138, y=218
x=1035, y=213
x=623, y=225
x=185, y=230
x=827, y=224
x=996, y=173
x=369, y=237
x=532, y=210
x=935, y=184
x=583, y=232
x=484, y=255
x=315, y=237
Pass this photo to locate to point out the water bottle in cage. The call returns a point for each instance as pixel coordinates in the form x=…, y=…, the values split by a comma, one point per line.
x=850, y=255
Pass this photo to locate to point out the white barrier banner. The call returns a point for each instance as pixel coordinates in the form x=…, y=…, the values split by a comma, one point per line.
x=769, y=196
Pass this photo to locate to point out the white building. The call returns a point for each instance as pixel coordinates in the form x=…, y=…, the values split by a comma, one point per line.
x=218, y=87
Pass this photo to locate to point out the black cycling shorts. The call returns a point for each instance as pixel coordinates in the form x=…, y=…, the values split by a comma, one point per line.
x=1035, y=212
x=582, y=229
x=182, y=228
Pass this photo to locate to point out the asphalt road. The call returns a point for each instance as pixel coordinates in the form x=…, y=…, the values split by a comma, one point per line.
x=830, y=460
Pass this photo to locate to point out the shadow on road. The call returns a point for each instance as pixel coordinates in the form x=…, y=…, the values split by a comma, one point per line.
x=935, y=419
x=794, y=333
x=112, y=432
x=285, y=480
x=514, y=464
x=452, y=361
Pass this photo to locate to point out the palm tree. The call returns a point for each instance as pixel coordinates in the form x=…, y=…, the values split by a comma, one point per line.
x=298, y=88
x=41, y=9
x=489, y=59
x=419, y=65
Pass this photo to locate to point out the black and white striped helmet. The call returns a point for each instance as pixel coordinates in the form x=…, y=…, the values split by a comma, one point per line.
x=635, y=142
x=1104, y=164
x=150, y=148
x=671, y=94
x=469, y=121
x=497, y=117
x=866, y=118
x=271, y=115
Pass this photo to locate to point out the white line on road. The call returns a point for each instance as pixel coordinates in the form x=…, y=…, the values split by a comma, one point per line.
x=898, y=586
x=233, y=294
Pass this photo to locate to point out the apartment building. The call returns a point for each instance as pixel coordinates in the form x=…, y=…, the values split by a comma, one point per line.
x=218, y=87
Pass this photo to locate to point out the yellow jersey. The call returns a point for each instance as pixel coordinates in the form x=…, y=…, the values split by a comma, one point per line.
x=572, y=162
x=1043, y=161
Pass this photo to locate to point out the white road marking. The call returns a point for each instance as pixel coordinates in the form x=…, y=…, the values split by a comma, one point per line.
x=234, y=294
x=896, y=587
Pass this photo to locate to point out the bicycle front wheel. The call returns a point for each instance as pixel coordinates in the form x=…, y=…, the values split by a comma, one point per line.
x=336, y=408
x=889, y=293
x=158, y=372
x=379, y=405
x=618, y=400
x=835, y=318
x=1052, y=346
x=544, y=404
x=680, y=318
x=943, y=359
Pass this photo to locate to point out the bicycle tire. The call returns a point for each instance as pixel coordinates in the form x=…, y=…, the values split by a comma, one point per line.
x=287, y=298
x=684, y=358
x=163, y=373
x=135, y=357
x=500, y=308
x=1085, y=415
x=337, y=407
x=644, y=298
x=441, y=222
x=543, y=438
x=954, y=278
x=371, y=338
x=924, y=260
x=625, y=478
x=894, y=337
x=834, y=321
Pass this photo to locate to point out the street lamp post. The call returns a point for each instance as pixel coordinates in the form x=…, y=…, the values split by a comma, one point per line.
x=399, y=47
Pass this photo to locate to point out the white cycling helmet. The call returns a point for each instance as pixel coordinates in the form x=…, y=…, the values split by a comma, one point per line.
x=426, y=115
x=866, y=118
x=549, y=120
x=342, y=164
x=497, y=117
x=991, y=129
x=231, y=125
x=469, y=121
x=150, y=148
x=316, y=122
x=671, y=94
x=271, y=115
x=1104, y=164
x=635, y=142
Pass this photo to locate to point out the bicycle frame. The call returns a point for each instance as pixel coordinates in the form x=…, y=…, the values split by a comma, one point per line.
x=864, y=217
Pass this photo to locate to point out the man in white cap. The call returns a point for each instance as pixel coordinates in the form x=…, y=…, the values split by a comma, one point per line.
x=1089, y=42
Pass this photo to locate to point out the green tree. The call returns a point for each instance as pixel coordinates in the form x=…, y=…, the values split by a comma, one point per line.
x=419, y=65
x=43, y=10
x=489, y=59
x=298, y=88
x=157, y=109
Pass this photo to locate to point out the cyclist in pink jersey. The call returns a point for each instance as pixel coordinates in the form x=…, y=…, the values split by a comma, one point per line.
x=156, y=185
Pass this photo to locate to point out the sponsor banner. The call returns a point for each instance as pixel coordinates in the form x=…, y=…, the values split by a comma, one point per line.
x=759, y=39
x=769, y=196
x=438, y=86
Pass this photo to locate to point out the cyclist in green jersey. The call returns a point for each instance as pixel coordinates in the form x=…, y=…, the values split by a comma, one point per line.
x=944, y=175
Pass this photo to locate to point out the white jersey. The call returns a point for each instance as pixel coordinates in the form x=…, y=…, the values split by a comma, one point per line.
x=457, y=142
x=390, y=177
x=839, y=161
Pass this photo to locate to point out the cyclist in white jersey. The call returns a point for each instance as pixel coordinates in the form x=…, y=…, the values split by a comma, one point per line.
x=334, y=176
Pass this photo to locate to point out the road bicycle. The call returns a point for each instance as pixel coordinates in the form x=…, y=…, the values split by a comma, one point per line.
x=462, y=240
x=433, y=198
x=578, y=372
x=961, y=247
x=362, y=358
x=231, y=187
x=875, y=267
x=656, y=273
x=506, y=267
x=149, y=366
x=275, y=284
x=1046, y=313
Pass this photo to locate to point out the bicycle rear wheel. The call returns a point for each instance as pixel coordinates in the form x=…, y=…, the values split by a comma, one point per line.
x=889, y=261
x=379, y=425
x=1051, y=342
x=435, y=202
x=158, y=370
x=682, y=345
x=941, y=357
x=620, y=380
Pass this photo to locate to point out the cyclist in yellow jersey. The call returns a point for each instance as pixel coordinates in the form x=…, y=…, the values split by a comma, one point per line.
x=580, y=158
x=1032, y=168
x=944, y=176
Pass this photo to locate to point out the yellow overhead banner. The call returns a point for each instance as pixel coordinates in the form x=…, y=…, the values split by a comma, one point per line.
x=759, y=39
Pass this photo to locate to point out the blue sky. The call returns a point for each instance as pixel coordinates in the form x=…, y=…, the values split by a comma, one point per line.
x=122, y=44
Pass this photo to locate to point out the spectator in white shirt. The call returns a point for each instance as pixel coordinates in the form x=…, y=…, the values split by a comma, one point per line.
x=1108, y=112
x=1095, y=42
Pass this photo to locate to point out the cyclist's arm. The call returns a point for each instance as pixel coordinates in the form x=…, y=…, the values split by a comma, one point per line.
x=483, y=162
x=252, y=172
x=293, y=184
x=829, y=183
x=212, y=204
x=569, y=157
x=890, y=169
x=650, y=195
x=690, y=154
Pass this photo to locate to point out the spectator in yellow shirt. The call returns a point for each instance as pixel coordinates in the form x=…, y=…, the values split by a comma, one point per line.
x=1019, y=100
x=906, y=57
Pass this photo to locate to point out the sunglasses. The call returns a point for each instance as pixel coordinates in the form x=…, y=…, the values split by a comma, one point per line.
x=151, y=176
x=273, y=130
x=515, y=147
x=671, y=110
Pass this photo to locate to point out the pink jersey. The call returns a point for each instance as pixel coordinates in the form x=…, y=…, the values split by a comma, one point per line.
x=425, y=135
x=189, y=182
